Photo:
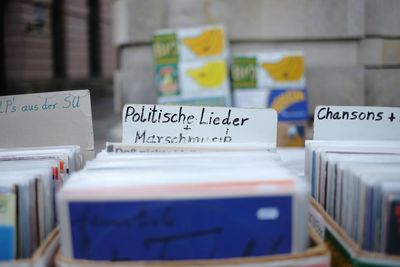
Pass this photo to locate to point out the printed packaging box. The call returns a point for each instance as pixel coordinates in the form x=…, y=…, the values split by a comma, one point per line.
x=251, y=97
x=190, y=66
x=172, y=46
x=202, y=42
x=268, y=70
x=291, y=134
x=284, y=68
x=271, y=79
x=291, y=104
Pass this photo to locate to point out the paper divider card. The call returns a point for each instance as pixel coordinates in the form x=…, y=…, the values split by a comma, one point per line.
x=47, y=119
x=161, y=124
x=357, y=123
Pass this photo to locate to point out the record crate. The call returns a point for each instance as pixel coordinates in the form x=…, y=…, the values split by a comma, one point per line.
x=42, y=257
x=317, y=255
x=344, y=251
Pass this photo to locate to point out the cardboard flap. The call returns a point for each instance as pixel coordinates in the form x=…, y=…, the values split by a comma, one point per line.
x=47, y=119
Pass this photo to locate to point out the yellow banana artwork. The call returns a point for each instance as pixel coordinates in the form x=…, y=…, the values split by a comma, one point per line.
x=288, y=69
x=211, y=75
x=208, y=43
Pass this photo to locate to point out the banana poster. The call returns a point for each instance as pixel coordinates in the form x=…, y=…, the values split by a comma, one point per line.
x=191, y=66
x=202, y=43
x=283, y=68
x=256, y=75
x=269, y=69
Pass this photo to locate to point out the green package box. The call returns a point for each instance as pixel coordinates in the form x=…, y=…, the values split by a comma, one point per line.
x=165, y=48
x=244, y=72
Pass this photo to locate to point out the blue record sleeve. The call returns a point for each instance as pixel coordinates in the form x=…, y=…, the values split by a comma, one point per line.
x=7, y=242
x=181, y=229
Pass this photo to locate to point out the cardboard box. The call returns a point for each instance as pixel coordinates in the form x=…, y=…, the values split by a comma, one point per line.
x=291, y=134
x=316, y=256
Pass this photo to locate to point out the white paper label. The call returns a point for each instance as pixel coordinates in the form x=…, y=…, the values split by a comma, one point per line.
x=356, y=123
x=317, y=222
x=47, y=119
x=160, y=124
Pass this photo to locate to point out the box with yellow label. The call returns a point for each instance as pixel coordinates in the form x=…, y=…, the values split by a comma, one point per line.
x=177, y=45
x=202, y=43
x=281, y=69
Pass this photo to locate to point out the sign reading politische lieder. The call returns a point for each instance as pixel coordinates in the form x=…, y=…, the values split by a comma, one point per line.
x=357, y=123
x=161, y=124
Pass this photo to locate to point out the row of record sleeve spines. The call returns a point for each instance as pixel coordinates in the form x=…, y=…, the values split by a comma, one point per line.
x=352, y=208
x=30, y=178
x=354, y=183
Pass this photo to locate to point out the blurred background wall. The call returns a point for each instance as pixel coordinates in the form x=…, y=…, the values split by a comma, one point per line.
x=352, y=47
x=49, y=45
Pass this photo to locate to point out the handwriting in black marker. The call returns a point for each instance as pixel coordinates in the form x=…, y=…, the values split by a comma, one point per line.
x=392, y=117
x=276, y=244
x=115, y=256
x=141, y=219
x=166, y=240
x=249, y=248
x=213, y=251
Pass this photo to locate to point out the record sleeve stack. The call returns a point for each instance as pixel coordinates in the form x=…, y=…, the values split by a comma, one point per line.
x=29, y=179
x=276, y=80
x=45, y=137
x=356, y=185
x=191, y=66
x=188, y=204
x=182, y=206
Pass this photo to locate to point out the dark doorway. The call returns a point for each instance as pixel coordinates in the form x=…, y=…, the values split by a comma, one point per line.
x=94, y=38
x=3, y=81
x=58, y=39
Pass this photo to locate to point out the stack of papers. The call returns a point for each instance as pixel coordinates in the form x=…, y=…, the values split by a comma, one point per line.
x=29, y=178
x=358, y=184
x=183, y=206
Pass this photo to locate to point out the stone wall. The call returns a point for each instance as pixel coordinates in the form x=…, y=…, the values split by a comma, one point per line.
x=352, y=47
x=32, y=60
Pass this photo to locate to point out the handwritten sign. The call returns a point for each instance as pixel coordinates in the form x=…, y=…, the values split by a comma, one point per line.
x=160, y=124
x=356, y=123
x=47, y=119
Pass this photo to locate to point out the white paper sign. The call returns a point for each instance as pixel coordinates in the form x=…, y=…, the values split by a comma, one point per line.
x=47, y=119
x=317, y=222
x=158, y=124
x=356, y=123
